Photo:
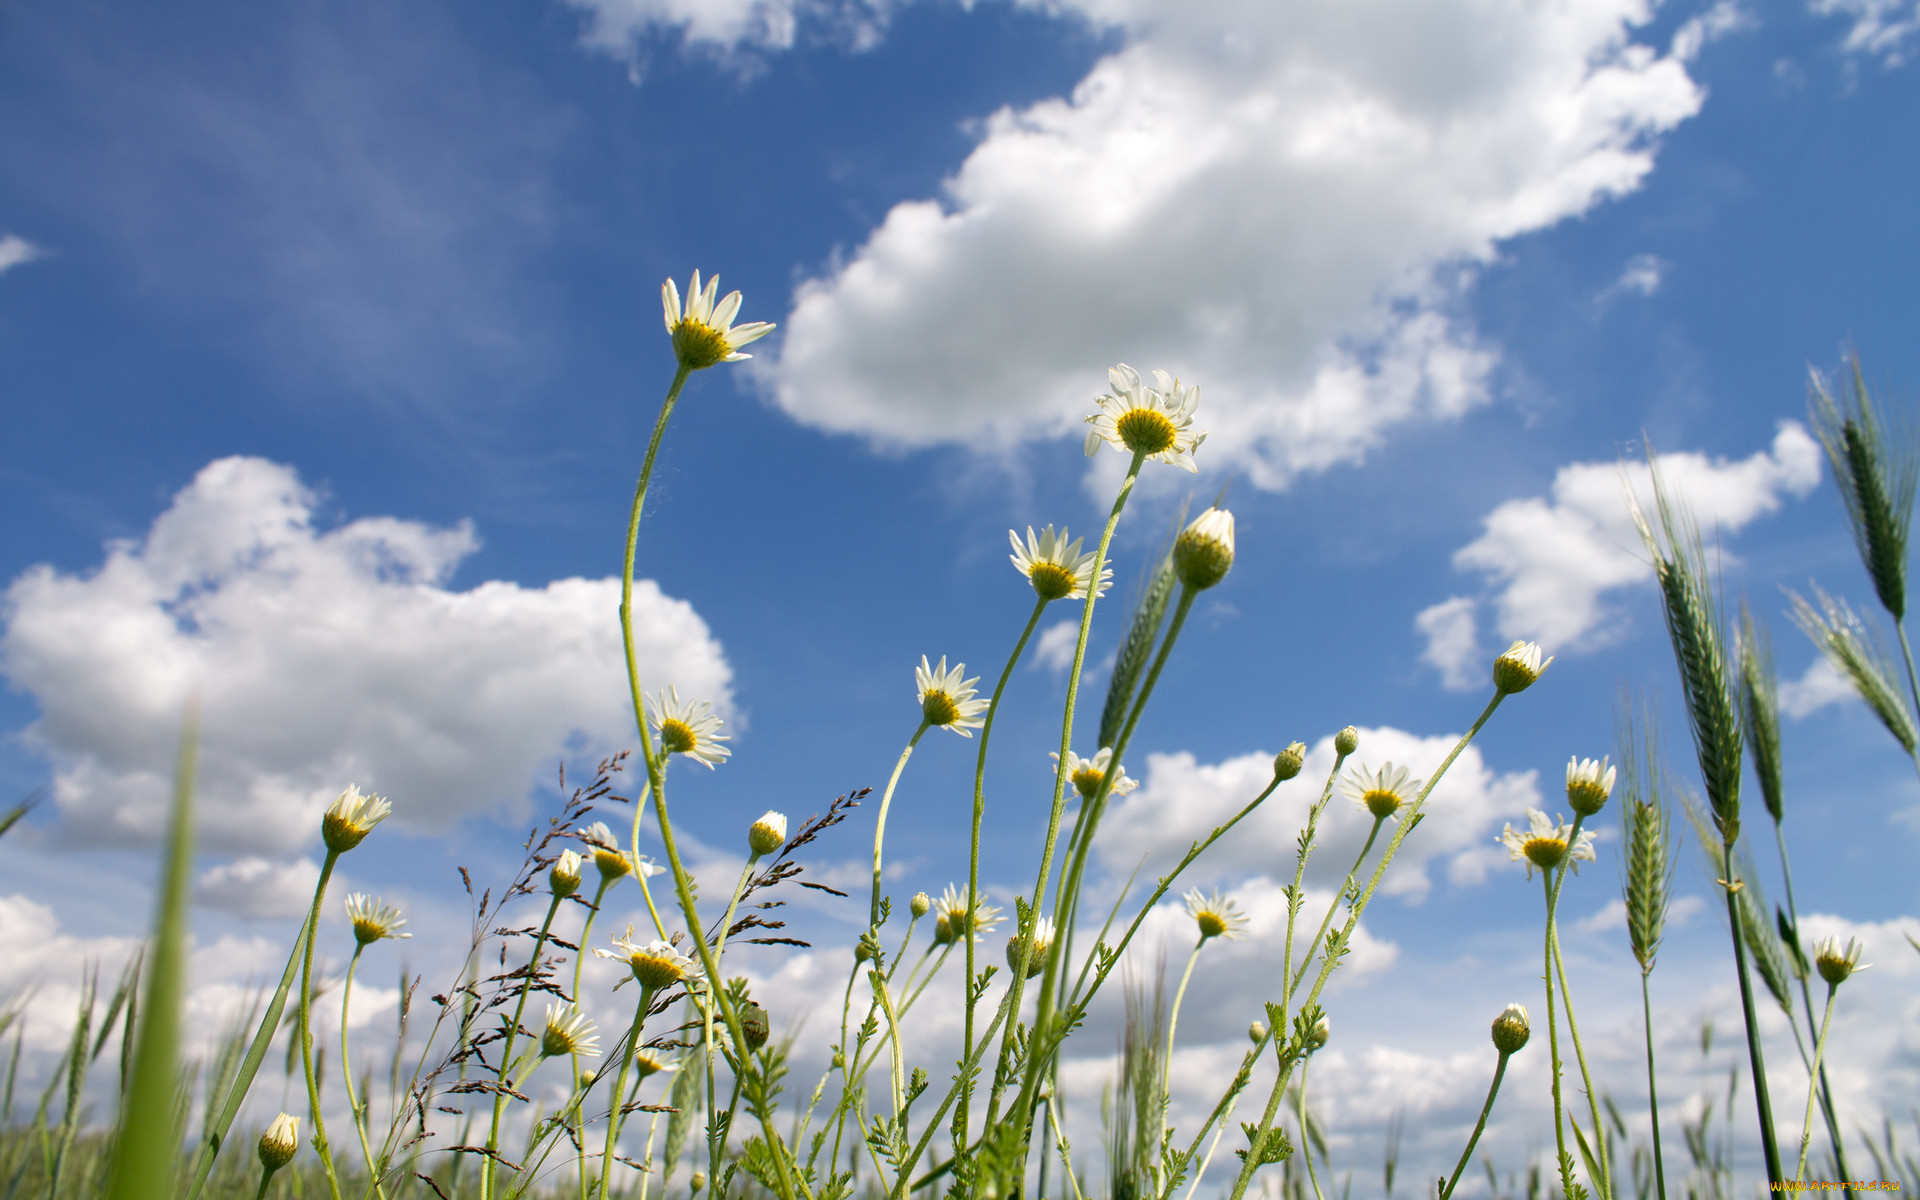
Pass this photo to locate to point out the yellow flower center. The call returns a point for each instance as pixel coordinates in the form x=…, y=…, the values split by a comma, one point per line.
x=677, y=737
x=612, y=864
x=1545, y=852
x=1212, y=924
x=939, y=708
x=1382, y=802
x=699, y=345
x=556, y=1041
x=1051, y=581
x=1087, y=779
x=1146, y=430
x=646, y=1064
x=1586, y=796
x=342, y=835
x=368, y=932
x=654, y=972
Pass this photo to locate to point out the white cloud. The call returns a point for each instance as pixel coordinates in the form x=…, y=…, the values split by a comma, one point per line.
x=251, y=886
x=1054, y=651
x=725, y=28
x=1551, y=560
x=320, y=658
x=1266, y=199
x=1640, y=277
x=1823, y=684
x=1453, y=642
x=1881, y=28
x=15, y=250
x=1694, y=34
x=1181, y=800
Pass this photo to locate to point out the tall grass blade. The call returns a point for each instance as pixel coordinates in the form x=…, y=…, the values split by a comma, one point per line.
x=12, y=816
x=1850, y=646
x=143, y=1157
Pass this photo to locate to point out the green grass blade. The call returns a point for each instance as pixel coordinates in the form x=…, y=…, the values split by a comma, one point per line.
x=144, y=1156
x=12, y=816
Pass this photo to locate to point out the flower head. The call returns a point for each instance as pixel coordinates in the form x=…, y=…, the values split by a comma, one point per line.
x=1589, y=783
x=568, y=1032
x=1055, y=566
x=656, y=965
x=1545, y=844
x=1216, y=915
x=755, y=1025
x=373, y=920
x=1835, y=962
x=767, y=834
x=1086, y=773
x=1381, y=792
x=1036, y=958
x=351, y=818
x=702, y=330
x=646, y=1062
x=1518, y=668
x=280, y=1142
x=1154, y=421
x=947, y=699
x=1510, y=1029
x=951, y=921
x=1203, y=553
x=1346, y=741
x=606, y=853
x=564, y=876
x=1288, y=762
x=920, y=905
x=688, y=728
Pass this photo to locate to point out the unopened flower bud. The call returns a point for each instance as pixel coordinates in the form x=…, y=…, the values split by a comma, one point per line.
x=1510, y=1029
x=564, y=877
x=1288, y=762
x=1203, y=553
x=1589, y=783
x=754, y=1024
x=1318, y=1035
x=1519, y=667
x=767, y=834
x=920, y=905
x=698, y=1181
x=280, y=1142
x=1257, y=1032
x=1347, y=740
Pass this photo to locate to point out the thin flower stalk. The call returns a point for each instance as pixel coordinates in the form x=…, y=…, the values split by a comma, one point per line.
x=1303, y=849
x=1355, y=911
x=531, y=972
x=1813, y=1089
x=1318, y=945
x=880, y=822
x=1479, y=1127
x=306, y=1025
x=356, y=1107
x=618, y=1095
x=1306, y=1140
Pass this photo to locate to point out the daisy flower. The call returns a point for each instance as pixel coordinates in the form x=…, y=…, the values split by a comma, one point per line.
x=1154, y=421
x=946, y=699
x=280, y=1142
x=564, y=876
x=1518, y=668
x=568, y=1032
x=1086, y=773
x=950, y=917
x=1380, y=792
x=688, y=728
x=702, y=330
x=1544, y=844
x=1055, y=567
x=1042, y=942
x=351, y=818
x=1216, y=915
x=1589, y=783
x=1203, y=553
x=656, y=965
x=373, y=919
x=1835, y=962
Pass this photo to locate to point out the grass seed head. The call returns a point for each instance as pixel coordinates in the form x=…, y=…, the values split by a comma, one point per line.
x=1876, y=466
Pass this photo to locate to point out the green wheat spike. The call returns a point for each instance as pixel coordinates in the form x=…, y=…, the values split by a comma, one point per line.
x=1877, y=466
x=1760, y=710
x=1853, y=648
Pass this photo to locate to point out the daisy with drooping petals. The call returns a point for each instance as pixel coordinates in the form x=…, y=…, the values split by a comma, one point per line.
x=1055, y=567
x=349, y=819
x=656, y=965
x=1086, y=773
x=946, y=699
x=951, y=922
x=688, y=728
x=1156, y=422
x=1381, y=792
x=373, y=919
x=568, y=1032
x=1216, y=915
x=1545, y=844
x=702, y=330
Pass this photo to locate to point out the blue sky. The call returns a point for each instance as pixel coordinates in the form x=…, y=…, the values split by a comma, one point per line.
x=364, y=300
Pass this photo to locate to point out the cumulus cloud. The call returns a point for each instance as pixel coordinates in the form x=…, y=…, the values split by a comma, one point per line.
x=1697, y=32
x=1640, y=277
x=1550, y=561
x=1882, y=29
x=1452, y=631
x=320, y=658
x=1273, y=201
x=726, y=28
x=1180, y=800
x=1054, y=650
x=15, y=250
x=251, y=886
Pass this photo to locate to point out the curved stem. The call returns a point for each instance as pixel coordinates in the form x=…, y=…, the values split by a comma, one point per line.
x=1306, y=1139
x=506, y=1050
x=1295, y=898
x=619, y=1094
x=354, y=1110
x=1601, y=1159
x=880, y=822
x=1563, y=1162
x=1173, y=1023
x=1653, y=1092
x=961, y=1116
x=306, y=1026
x=1813, y=1081
x=626, y=573
x=1317, y=945
x=1499, y=1070
x=576, y=1123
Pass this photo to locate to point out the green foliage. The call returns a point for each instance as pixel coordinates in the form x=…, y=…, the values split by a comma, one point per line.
x=1859, y=654
x=1876, y=466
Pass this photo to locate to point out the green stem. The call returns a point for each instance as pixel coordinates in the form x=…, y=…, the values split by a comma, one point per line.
x=1763, y=1100
x=880, y=823
x=306, y=1026
x=1601, y=1159
x=1499, y=1071
x=626, y=574
x=1306, y=1140
x=1173, y=1023
x=961, y=1115
x=619, y=1093
x=575, y=1123
x=506, y=1050
x=1317, y=946
x=1562, y=1161
x=1295, y=896
x=1819, y=1056
x=1653, y=1091
x=1827, y=1110
x=266, y=1177
x=354, y=1109
x=1016, y=985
